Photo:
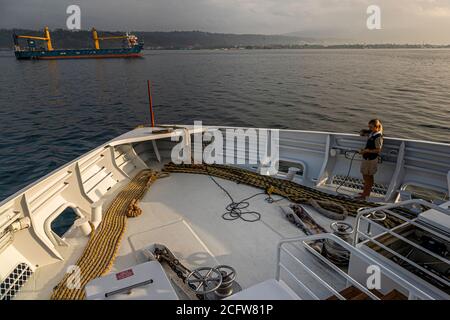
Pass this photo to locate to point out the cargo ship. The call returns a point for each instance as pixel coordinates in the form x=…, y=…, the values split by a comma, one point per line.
x=131, y=48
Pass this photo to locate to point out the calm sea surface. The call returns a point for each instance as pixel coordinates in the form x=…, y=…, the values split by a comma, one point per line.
x=53, y=111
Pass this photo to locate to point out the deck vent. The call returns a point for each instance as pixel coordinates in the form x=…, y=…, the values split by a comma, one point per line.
x=358, y=184
x=14, y=281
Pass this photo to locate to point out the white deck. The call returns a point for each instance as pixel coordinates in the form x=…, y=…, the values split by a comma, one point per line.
x=183, y=212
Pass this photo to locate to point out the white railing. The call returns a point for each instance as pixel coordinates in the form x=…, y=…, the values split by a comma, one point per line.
x=364, y=215
x=386, y=270
x=386, y=209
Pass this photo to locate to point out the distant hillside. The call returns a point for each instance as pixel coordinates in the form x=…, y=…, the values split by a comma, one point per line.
x=201, y=40
x=161, y=40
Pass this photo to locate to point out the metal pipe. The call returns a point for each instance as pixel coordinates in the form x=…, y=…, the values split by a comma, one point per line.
x=150, y=103
x=129, y=288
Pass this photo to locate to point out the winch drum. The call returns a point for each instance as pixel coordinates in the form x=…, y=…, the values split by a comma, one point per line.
x=334, y=251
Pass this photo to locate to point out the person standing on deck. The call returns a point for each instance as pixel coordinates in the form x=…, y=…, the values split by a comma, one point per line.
x=370, y=153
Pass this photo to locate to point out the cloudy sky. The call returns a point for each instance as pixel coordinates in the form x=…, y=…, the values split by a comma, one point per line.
x=403, y=21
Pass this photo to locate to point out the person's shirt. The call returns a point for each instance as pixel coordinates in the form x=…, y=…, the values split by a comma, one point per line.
x=378, y=140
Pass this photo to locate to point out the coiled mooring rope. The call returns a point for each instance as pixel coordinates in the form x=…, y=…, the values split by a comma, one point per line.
x=100, y=252
x=329, y=209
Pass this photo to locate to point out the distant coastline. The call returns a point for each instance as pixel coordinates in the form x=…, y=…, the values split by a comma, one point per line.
x=316, y=46
x=197, y=40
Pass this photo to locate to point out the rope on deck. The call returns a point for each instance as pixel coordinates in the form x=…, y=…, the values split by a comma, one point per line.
x=287, y=189
x=101, y=249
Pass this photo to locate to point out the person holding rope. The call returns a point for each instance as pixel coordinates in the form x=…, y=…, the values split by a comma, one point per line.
x=370, y=154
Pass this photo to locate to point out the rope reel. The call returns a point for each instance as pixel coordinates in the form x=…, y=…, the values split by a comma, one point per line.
x=206, y=283
x=204, y=280
x=334, y=251
x=229, y=284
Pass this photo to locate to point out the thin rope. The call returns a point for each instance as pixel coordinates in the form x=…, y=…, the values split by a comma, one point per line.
x=287, y=189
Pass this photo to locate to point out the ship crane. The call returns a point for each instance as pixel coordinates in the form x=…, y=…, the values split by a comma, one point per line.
x=97, y=39
x=46, y=38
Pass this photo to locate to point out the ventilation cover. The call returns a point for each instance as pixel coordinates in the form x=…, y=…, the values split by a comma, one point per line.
x=358, y=184
x=14, y=281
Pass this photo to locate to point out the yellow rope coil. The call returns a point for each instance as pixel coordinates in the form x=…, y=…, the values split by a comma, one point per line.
x=134, y=210
x=101, y=249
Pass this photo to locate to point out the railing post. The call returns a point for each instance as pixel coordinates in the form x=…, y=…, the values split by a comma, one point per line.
x=277, y=275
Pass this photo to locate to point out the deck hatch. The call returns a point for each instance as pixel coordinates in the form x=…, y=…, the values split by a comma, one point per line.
x=64, y=221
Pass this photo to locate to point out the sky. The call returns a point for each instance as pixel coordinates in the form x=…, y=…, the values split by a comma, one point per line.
x=402, y=21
